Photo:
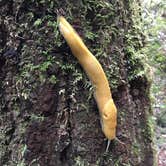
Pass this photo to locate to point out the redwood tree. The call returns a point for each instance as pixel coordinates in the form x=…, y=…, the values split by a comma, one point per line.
x=48, y=115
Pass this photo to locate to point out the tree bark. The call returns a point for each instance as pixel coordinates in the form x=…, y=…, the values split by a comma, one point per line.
x=48, y=115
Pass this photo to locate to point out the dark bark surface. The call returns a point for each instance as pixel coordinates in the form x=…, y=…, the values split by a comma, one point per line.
x=48, y=115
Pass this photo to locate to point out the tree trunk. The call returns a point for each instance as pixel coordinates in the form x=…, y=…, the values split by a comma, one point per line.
x=48, y=115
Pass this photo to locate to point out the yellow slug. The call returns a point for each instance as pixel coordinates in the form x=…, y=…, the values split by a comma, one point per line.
x=93, y=69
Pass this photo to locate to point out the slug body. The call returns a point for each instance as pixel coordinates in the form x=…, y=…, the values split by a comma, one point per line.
x=93, y=69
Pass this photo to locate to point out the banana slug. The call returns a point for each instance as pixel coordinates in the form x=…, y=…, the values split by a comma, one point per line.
x=102, y=92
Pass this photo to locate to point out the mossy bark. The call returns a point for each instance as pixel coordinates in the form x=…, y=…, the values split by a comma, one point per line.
x=48, y=115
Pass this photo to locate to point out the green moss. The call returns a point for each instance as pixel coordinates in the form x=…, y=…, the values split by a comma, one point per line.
x=148, y=131
x=80, y=162
x=53, y=79
x=38, y=22
x=37, y=118
x=2, y=145
x=136, y=150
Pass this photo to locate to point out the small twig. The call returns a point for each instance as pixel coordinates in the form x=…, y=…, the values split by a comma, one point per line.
x=20, y=37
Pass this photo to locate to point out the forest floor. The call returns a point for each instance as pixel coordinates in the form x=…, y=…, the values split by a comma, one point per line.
x=159, y=107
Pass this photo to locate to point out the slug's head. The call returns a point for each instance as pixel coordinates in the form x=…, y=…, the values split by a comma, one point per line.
x=109, y=120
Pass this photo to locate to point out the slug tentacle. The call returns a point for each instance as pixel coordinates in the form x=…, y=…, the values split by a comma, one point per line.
x=97, y=76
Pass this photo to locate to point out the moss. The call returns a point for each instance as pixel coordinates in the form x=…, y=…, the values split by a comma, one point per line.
x=2, y=145
x=37, y=118
x=148, y=131
x=80, y=162
x=136, y=152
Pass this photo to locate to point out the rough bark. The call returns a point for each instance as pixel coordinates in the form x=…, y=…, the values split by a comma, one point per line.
x=48, y=115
